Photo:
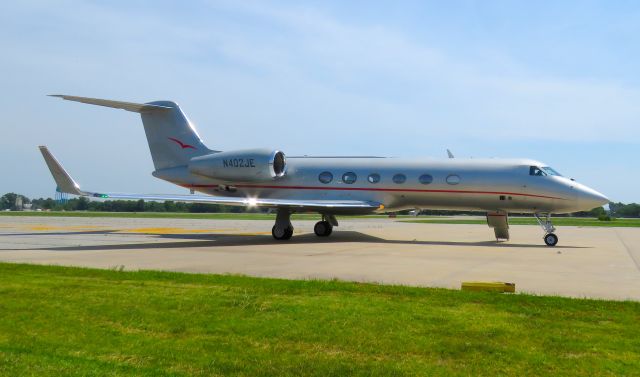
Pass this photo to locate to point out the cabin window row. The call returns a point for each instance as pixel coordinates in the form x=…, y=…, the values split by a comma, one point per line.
x=351, y=177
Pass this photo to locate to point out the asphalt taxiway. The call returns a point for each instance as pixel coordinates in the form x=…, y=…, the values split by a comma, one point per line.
x=588, y=262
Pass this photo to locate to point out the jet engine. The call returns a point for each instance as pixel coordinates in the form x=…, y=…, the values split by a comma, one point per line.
x=247, y=165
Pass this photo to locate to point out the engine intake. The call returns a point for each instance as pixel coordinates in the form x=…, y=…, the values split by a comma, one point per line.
x=242, y=166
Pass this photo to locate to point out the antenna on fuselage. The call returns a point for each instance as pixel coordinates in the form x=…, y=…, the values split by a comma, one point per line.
x=450, y=154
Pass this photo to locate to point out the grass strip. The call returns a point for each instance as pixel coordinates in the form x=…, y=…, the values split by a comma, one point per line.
x=82, y=322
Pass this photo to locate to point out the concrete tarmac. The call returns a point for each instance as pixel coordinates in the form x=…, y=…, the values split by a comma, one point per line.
x=588, y=262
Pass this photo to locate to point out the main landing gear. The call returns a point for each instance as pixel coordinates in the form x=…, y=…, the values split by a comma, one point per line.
x=324, y=228
x=283, y=230
x=550, y=239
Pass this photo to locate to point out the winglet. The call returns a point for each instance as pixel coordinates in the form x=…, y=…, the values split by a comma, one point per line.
x=63, y=179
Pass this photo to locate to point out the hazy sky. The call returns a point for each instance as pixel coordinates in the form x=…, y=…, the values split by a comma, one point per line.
x=557, y=81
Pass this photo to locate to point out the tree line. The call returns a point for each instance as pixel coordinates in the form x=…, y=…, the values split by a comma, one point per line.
x=8, y=202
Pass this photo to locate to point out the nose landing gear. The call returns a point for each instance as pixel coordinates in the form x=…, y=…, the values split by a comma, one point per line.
x=550, y=239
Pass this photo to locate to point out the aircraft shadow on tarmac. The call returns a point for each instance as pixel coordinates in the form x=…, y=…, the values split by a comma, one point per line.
x=183, y=241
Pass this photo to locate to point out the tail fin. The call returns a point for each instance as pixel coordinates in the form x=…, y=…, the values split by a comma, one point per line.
x=173, y=140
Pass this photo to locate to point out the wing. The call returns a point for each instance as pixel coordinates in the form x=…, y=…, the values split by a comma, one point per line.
x=68, y=185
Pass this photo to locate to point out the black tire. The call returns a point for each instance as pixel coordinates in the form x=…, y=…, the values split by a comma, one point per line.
x=323, y=229
x=329, y=229
x=288, y=232
x=550, y=239
x=319, y=229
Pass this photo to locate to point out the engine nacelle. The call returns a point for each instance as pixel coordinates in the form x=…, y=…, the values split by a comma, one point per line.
x=247, y=165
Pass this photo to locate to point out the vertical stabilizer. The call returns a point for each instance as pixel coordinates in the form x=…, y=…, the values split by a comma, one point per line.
x=173, y=140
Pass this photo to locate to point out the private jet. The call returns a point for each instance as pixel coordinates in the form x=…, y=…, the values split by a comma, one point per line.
x=338, y=186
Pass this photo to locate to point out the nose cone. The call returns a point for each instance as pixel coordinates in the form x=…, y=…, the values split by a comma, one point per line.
x=589, y=198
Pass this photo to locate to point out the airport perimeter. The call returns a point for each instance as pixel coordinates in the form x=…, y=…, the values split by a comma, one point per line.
x=588, y=262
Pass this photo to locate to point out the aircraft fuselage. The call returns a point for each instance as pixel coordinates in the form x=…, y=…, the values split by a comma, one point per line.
x=458, y=184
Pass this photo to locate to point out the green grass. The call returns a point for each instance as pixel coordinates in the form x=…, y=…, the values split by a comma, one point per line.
x=69, y=321
x=558, y=221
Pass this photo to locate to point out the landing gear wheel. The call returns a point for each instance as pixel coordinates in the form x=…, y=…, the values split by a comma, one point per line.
x=323, y=229
x=282, y=234
x=551, y=239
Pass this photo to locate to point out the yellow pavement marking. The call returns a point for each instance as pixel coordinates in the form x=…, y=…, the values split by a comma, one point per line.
x=42, y=227
x=150, y=230
x=251, y=234
x=172, y=230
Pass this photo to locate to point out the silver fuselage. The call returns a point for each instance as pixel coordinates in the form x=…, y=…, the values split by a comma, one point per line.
x=482, y=184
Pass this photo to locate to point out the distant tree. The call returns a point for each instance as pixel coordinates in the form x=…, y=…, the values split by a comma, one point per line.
x=95, y=206
x=82, y=204
x=170, y=206
x=625, y=210
x=596, y=212
x=154, y=207
x=235, y=209
x=42, y=203
x=70, y=205
x=8, y=201
x=203, y=208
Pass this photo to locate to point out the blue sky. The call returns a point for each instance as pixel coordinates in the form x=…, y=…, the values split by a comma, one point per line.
x=556, y=81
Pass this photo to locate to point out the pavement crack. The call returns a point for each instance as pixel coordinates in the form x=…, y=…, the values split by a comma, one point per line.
x=633, y=258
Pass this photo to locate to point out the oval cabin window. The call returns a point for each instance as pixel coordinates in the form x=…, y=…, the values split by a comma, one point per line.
x=373, y=178
x=453, y=179
x=325, y=177
x=399, y=178
x=425, y=179
x=349, y=177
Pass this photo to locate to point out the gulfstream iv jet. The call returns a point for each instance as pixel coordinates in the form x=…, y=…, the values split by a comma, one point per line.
x=335, y=186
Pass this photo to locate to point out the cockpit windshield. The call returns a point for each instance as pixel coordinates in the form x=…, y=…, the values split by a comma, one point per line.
x=550, y=171
x=534, y=170
x=543, y=171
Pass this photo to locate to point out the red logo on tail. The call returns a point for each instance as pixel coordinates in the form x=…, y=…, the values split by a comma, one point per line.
x=181, y=144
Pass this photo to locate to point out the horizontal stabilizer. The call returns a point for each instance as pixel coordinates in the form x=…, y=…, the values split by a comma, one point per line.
x=63, y=179
x=129, y=106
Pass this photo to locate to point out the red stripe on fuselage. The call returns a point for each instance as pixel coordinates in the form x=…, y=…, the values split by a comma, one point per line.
x=376, y=189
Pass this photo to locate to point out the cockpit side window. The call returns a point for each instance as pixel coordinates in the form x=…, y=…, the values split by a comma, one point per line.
x=550, y=171
x=534, y=170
